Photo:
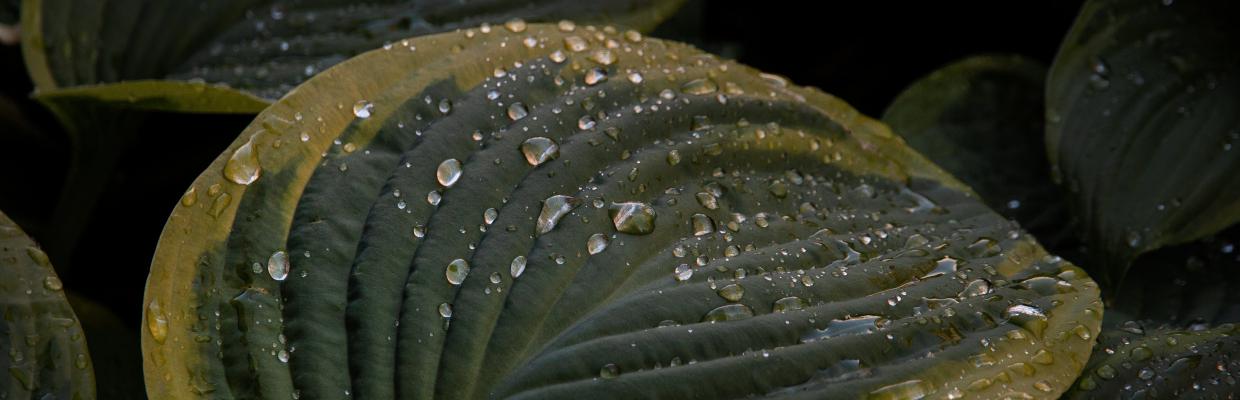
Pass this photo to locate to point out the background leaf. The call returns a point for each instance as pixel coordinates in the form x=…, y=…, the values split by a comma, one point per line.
x=43, y=350
x=402, y=235
x=1140, y=362
x=1142, y=124
x=981, y=119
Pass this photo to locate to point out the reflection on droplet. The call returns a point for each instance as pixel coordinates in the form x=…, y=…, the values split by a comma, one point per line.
x=944, y=266
x=457, y=270
x=156, y=321
x=632, y=217
x=609, y=371
x=243, y=167
x=445, y=310
x=699, y=86
x=517, y=267
x=702, y=224
x=790, y=303
x=517, y=110
x=538, y=150
x=278, y=266
x=516, y=25
x=362, y=109
x=595, y=75
x=597, y=243
x=849, y=326
x=449, y=172
x=1029, y=317
x=554, y=208
x=683, y=272
x=733, y=292
x=728, y=312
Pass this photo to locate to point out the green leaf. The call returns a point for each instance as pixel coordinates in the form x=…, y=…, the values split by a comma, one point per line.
x=699, y=229
x=1141, y=126
x=42, y=348
x=981, y=119
x=260, y=48
x=1140, y=362
x=1184, y=285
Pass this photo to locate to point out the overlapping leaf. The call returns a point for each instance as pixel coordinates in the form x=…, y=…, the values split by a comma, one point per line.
x=1140, y=362
x=580, y=212
x=1141, y=127
x=42, y=348
x=981, y=119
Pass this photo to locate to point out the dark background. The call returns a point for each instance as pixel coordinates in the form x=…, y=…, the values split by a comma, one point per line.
x=863, y=52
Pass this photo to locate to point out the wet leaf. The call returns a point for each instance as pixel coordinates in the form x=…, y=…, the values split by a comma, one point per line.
x=1184, y=286
x=42, y=347
x=699, y=229
x=1141, y=127
x=1139, y=361
x=982, y=120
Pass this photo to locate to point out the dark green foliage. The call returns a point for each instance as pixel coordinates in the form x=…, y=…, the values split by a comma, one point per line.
x=45, y=354
x=1142, y=121
x=1140, y=361
x=725, y=234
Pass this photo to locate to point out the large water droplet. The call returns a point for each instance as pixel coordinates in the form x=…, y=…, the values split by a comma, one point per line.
x=515, y=25
x=517, y=267
x=449, y=172
x=702, y=224
x=683, y=272
x=362, y=109
x=243, y=167
x=597, y=243
x=733, y=292
x=156, y=321
x=278, y=266
x=445, y=310
x=944, y=266
x=699, y=86
x=849, y=326
x=790, y=303
x=517, y=110
x=538, y=150
x=632, y=217
x=728, y=312
x=456, y=272
x=595, y=75
x=554, y=208
x=1029, y=317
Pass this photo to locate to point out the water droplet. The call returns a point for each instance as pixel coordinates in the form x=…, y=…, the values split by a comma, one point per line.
x=538, y=150
x=609, y=371
x=517, y=267
x=282, y=355
x=603, y=56
x=586, y=123
x=699, y=86
x=944, y=266
x=489, y=215
x=566, y=26
x=445, y=106
x=575, y=43
x=908, y=390
x=633, y=36
x=554, y=208
x=1133, y=239
x=516, y=25
x=595, y=75
x=243, y=167
x=433, y=197
x=597, y=243
x=1105, y=372
x=1029, y=317
x=673, y=157
x=977, y=287
x=190, y=197
x=632, y=217
x=557, y=56
x=733, y=292
x=156, y=321
x=1043, y=357
x=517, y=110
x=51, y=282
x=445, y=310
x=683, y=272
x=707, y=200
x=636, y=77
x=449, y=172
x=278, y=266
x=702, y=224
x=849, y=326
x=790, y=303
x=984, y=247
x=362, y=109
x=457, y=270
x=728, y=312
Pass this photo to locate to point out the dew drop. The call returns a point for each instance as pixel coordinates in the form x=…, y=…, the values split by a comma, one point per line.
x=597, y=243
x=554, y=208
x=538, y=150
x=515, y=25
x=790, y=303
x=457, y=270
x=944, y=266
x=636, y=77
x=445, y=310
x=683, y=272
x=156, y=321
x=243, y=167
x=586, y=123
x=362, y=109
x=517, y=267
x=609, y=371
x=728, y=312
x=632, y=217
x=445, y=106
x=278, y=266
x=702, y=224
x=449, y=172
x=733, y=292
x=517, y=111
x=848, y=326
x=699, y=86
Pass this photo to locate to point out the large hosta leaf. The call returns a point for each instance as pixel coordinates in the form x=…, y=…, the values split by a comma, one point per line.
x=42, y=349
x=1139, y=362
x=262, y=48
x=584, y=213
x=1141, y=106
x=981, y=119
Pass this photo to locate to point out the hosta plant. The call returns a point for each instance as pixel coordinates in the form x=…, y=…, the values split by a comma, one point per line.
x=577, y=211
